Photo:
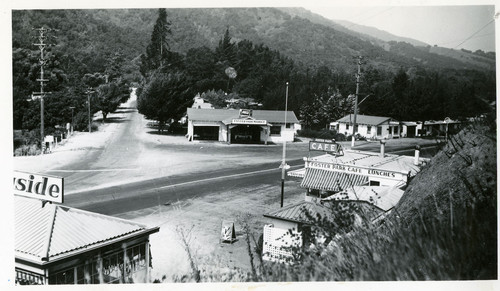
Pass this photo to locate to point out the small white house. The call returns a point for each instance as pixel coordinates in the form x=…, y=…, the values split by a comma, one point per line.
x=200, y=103
x=370, y=127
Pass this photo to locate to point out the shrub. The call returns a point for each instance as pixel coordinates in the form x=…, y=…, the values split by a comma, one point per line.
x=27, y=150
x=323, y=133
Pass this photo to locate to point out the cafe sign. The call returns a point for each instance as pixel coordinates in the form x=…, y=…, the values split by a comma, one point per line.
x=38, y=186
x=328, y=147
x=249, y=121
x=366, y=171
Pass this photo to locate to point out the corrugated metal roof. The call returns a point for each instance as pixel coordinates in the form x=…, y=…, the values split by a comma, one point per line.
x=227, y=114
x=331, y=180
x=383, y=197
x=55, y=230
x=296, y=212
x=364, y=119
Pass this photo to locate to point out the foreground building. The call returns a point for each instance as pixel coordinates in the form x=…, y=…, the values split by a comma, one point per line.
x=241, y=126
x=55, y=244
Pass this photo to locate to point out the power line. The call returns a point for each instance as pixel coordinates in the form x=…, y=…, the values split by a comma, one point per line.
x=377, y=14
x=457, y=40
x=475, y=33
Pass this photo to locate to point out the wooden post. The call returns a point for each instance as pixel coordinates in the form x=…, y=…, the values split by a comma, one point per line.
x=147, y=262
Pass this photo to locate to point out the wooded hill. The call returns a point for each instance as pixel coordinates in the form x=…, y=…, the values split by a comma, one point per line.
x=312, y=53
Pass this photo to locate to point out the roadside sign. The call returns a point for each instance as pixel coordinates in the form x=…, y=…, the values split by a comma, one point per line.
x=49, y=138
x=39, y=186
x=228, y=234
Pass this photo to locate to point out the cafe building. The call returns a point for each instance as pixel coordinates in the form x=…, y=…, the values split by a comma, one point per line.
x=56, y=244
x=341, y=170
x=376, y=181
x=241, y=126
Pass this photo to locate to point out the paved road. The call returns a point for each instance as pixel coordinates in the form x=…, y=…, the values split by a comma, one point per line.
x=168, y=190
x=125, y=146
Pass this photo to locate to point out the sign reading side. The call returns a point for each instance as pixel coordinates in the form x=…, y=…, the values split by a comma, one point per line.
x=43, y=187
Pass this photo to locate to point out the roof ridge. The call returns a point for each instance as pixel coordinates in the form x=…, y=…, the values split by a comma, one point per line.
x=48, y=238
x=103, y=216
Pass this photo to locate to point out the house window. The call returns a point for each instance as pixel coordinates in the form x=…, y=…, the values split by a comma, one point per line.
x=347, y=127
x=275, y=130
x=379, y=130
x=369, y=129
x=288, y=125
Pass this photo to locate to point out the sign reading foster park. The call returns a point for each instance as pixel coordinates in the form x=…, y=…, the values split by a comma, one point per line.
x=43, y=187
x=360, y=170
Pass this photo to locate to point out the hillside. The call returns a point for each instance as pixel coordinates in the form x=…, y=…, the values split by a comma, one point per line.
x=299, y=34
x=380, y=34
x=267, y=46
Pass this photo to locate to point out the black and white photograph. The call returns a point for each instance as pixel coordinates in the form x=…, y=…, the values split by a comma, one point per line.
x=243, y=145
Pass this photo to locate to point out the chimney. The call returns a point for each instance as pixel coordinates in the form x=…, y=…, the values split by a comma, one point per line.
x=382, y=148
x=417, y=155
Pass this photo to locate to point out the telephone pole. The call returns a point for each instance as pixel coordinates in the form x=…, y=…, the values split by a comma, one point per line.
x=358, y=75
x=89, y=91
x=283, y=163
x=42, y=37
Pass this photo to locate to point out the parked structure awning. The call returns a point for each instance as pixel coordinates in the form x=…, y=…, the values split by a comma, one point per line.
x=297, y=173
x=331, y=180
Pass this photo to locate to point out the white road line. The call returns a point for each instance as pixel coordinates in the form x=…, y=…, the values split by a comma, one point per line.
x=179, y=184
x=93, y=170
x=222, y=177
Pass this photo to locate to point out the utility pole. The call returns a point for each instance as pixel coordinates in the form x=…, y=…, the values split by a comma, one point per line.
x=358, y=75
x=89, y=91
x=71, y=128
x=283, y=163
x=42, y=37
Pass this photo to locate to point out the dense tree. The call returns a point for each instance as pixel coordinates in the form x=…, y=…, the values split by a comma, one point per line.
x=266, y=53
x=110, y=96
x=165, y=98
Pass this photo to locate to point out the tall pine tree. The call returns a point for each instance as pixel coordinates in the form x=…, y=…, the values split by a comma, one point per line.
x=158, y=50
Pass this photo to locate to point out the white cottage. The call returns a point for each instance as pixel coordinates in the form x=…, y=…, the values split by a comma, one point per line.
x=370, y=127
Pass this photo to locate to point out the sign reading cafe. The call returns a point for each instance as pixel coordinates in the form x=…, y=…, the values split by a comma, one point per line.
x=328, y=147
x=43, y=187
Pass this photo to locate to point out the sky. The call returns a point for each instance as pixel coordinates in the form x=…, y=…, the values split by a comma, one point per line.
x=452, y=26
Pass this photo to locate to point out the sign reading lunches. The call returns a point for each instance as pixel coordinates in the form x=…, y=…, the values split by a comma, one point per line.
x=352, y=169
x=43, y=187
x=249, y=121
x=328, y=147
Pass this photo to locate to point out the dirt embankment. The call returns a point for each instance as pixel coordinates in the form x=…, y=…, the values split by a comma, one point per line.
x=451, y=206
